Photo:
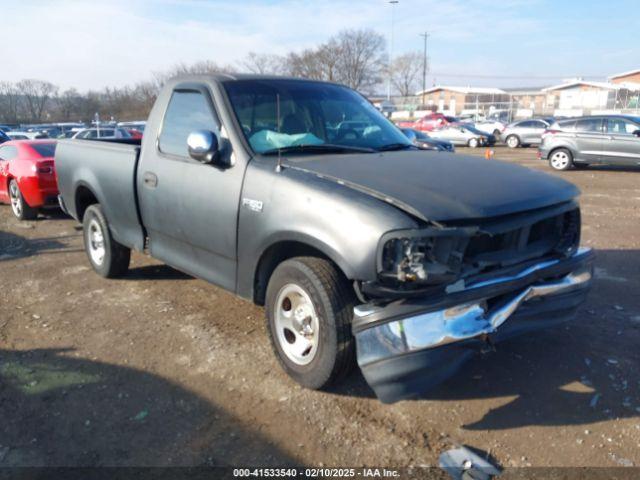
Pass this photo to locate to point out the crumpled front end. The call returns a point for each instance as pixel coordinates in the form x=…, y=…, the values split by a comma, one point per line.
x=412, y=344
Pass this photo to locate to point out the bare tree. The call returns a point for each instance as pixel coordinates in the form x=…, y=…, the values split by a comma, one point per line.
x=305, y=64
x=405, y=71
x=9, y=102
x=262, y=63
x=69, y=104
x=362, y=58
x=329, y=56
x=36, y=94
x=353, y=57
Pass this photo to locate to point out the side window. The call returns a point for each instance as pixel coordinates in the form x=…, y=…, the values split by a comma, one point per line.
x=621, y=126
x=188, y=110
x=539, y=124
x=526, y=124
x=589, y=125
x=8, y=153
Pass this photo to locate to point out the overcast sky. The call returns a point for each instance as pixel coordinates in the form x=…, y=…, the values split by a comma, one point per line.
x=91, y=44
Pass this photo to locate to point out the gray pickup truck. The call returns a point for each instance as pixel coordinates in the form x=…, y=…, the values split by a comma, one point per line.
x=300, y=196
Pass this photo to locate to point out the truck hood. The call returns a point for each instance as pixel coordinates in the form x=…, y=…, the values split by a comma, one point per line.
x=439, y=186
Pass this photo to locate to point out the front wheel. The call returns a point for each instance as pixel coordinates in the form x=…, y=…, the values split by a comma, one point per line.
x=561, y=159
x=473, y=142
x=108, y=258
x=309, y=306
x=19, y=206
x=513, y=141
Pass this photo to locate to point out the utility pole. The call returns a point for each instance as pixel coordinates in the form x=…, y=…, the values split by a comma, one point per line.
x=424, y=66
x=393, y=3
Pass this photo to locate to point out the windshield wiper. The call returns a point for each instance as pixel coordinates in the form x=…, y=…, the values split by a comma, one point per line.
x=395, y=146
x=321, y=148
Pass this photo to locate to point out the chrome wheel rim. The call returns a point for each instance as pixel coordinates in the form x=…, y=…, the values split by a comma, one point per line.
x=560, y=160
x=512, y=142
x=297, y=325
x=16, y=199
x=473, y=143
x=96, y=242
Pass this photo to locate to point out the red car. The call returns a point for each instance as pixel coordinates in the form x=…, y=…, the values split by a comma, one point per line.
x=27, y=176
x=429, y=122
x=135, y=134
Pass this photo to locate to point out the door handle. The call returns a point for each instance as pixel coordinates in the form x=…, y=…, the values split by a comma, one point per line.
x=150, y=179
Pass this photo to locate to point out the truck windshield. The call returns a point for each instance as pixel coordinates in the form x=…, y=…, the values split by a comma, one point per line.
x=279, y=114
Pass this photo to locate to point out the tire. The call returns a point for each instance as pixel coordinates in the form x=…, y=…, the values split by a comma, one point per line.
x=513, y=141
x=561, y=159
x=19, y=205
x=496, y=133
x=108, y=258
x=309, y=307
x=473, y=143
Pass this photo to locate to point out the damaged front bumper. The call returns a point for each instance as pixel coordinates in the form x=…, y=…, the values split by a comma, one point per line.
x=412, y=345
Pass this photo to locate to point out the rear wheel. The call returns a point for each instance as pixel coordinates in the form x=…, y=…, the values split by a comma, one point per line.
x=561, y=159
x=309, y=306
x=108, y=258
x=473, y=142
x=19, y=206
x=513, y=141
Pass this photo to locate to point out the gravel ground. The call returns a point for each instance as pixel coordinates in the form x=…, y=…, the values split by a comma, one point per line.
x=159, y=368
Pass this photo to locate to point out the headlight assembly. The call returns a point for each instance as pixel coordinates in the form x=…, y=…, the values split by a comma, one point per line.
x=422, y=257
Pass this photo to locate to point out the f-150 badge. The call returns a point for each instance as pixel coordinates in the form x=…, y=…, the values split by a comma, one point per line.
x=254, y=205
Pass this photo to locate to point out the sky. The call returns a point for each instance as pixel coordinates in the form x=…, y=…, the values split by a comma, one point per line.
x=505, y=43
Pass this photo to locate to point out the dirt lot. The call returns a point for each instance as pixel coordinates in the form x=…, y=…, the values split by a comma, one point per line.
x=162, y=369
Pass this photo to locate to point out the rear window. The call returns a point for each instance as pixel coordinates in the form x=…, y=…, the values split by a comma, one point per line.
x=569, y=125
x=589, y=125
x=45, y=149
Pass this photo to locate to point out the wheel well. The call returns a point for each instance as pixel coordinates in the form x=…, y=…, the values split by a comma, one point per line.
x=555, y=149
x=274, y=256
x=84, y=199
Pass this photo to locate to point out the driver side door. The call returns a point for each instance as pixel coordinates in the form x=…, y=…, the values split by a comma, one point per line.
x=190, y=208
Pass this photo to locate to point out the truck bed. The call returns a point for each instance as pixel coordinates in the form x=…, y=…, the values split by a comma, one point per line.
x=108, y=170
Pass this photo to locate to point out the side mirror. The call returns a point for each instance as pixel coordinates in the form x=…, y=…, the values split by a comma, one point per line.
x=203, y=146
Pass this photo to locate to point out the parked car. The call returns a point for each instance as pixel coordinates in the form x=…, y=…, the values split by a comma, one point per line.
x=425, y=142
x=104, y=133
x=429, y=122
x=133, y=125
x=491, y=127
x=355, y=244
x=524, y=132
x=135, y=134
x=28, y=177
x=579, y=142
x=463, y=135
x=21, y=135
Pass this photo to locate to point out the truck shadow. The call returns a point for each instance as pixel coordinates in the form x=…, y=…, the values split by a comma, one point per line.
x=582, y=372
x=61, y=410
x=156, y=272
x=14, y=246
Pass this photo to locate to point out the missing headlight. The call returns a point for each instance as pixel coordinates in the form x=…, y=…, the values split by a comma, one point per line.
x=422, y=260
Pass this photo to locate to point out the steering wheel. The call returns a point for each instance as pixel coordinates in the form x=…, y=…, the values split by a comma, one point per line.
x=343, y=132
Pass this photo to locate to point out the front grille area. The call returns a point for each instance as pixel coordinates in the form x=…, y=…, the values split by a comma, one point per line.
x=558, y=234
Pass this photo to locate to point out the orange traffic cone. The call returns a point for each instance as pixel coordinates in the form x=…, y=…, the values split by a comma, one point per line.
x=488, y=154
